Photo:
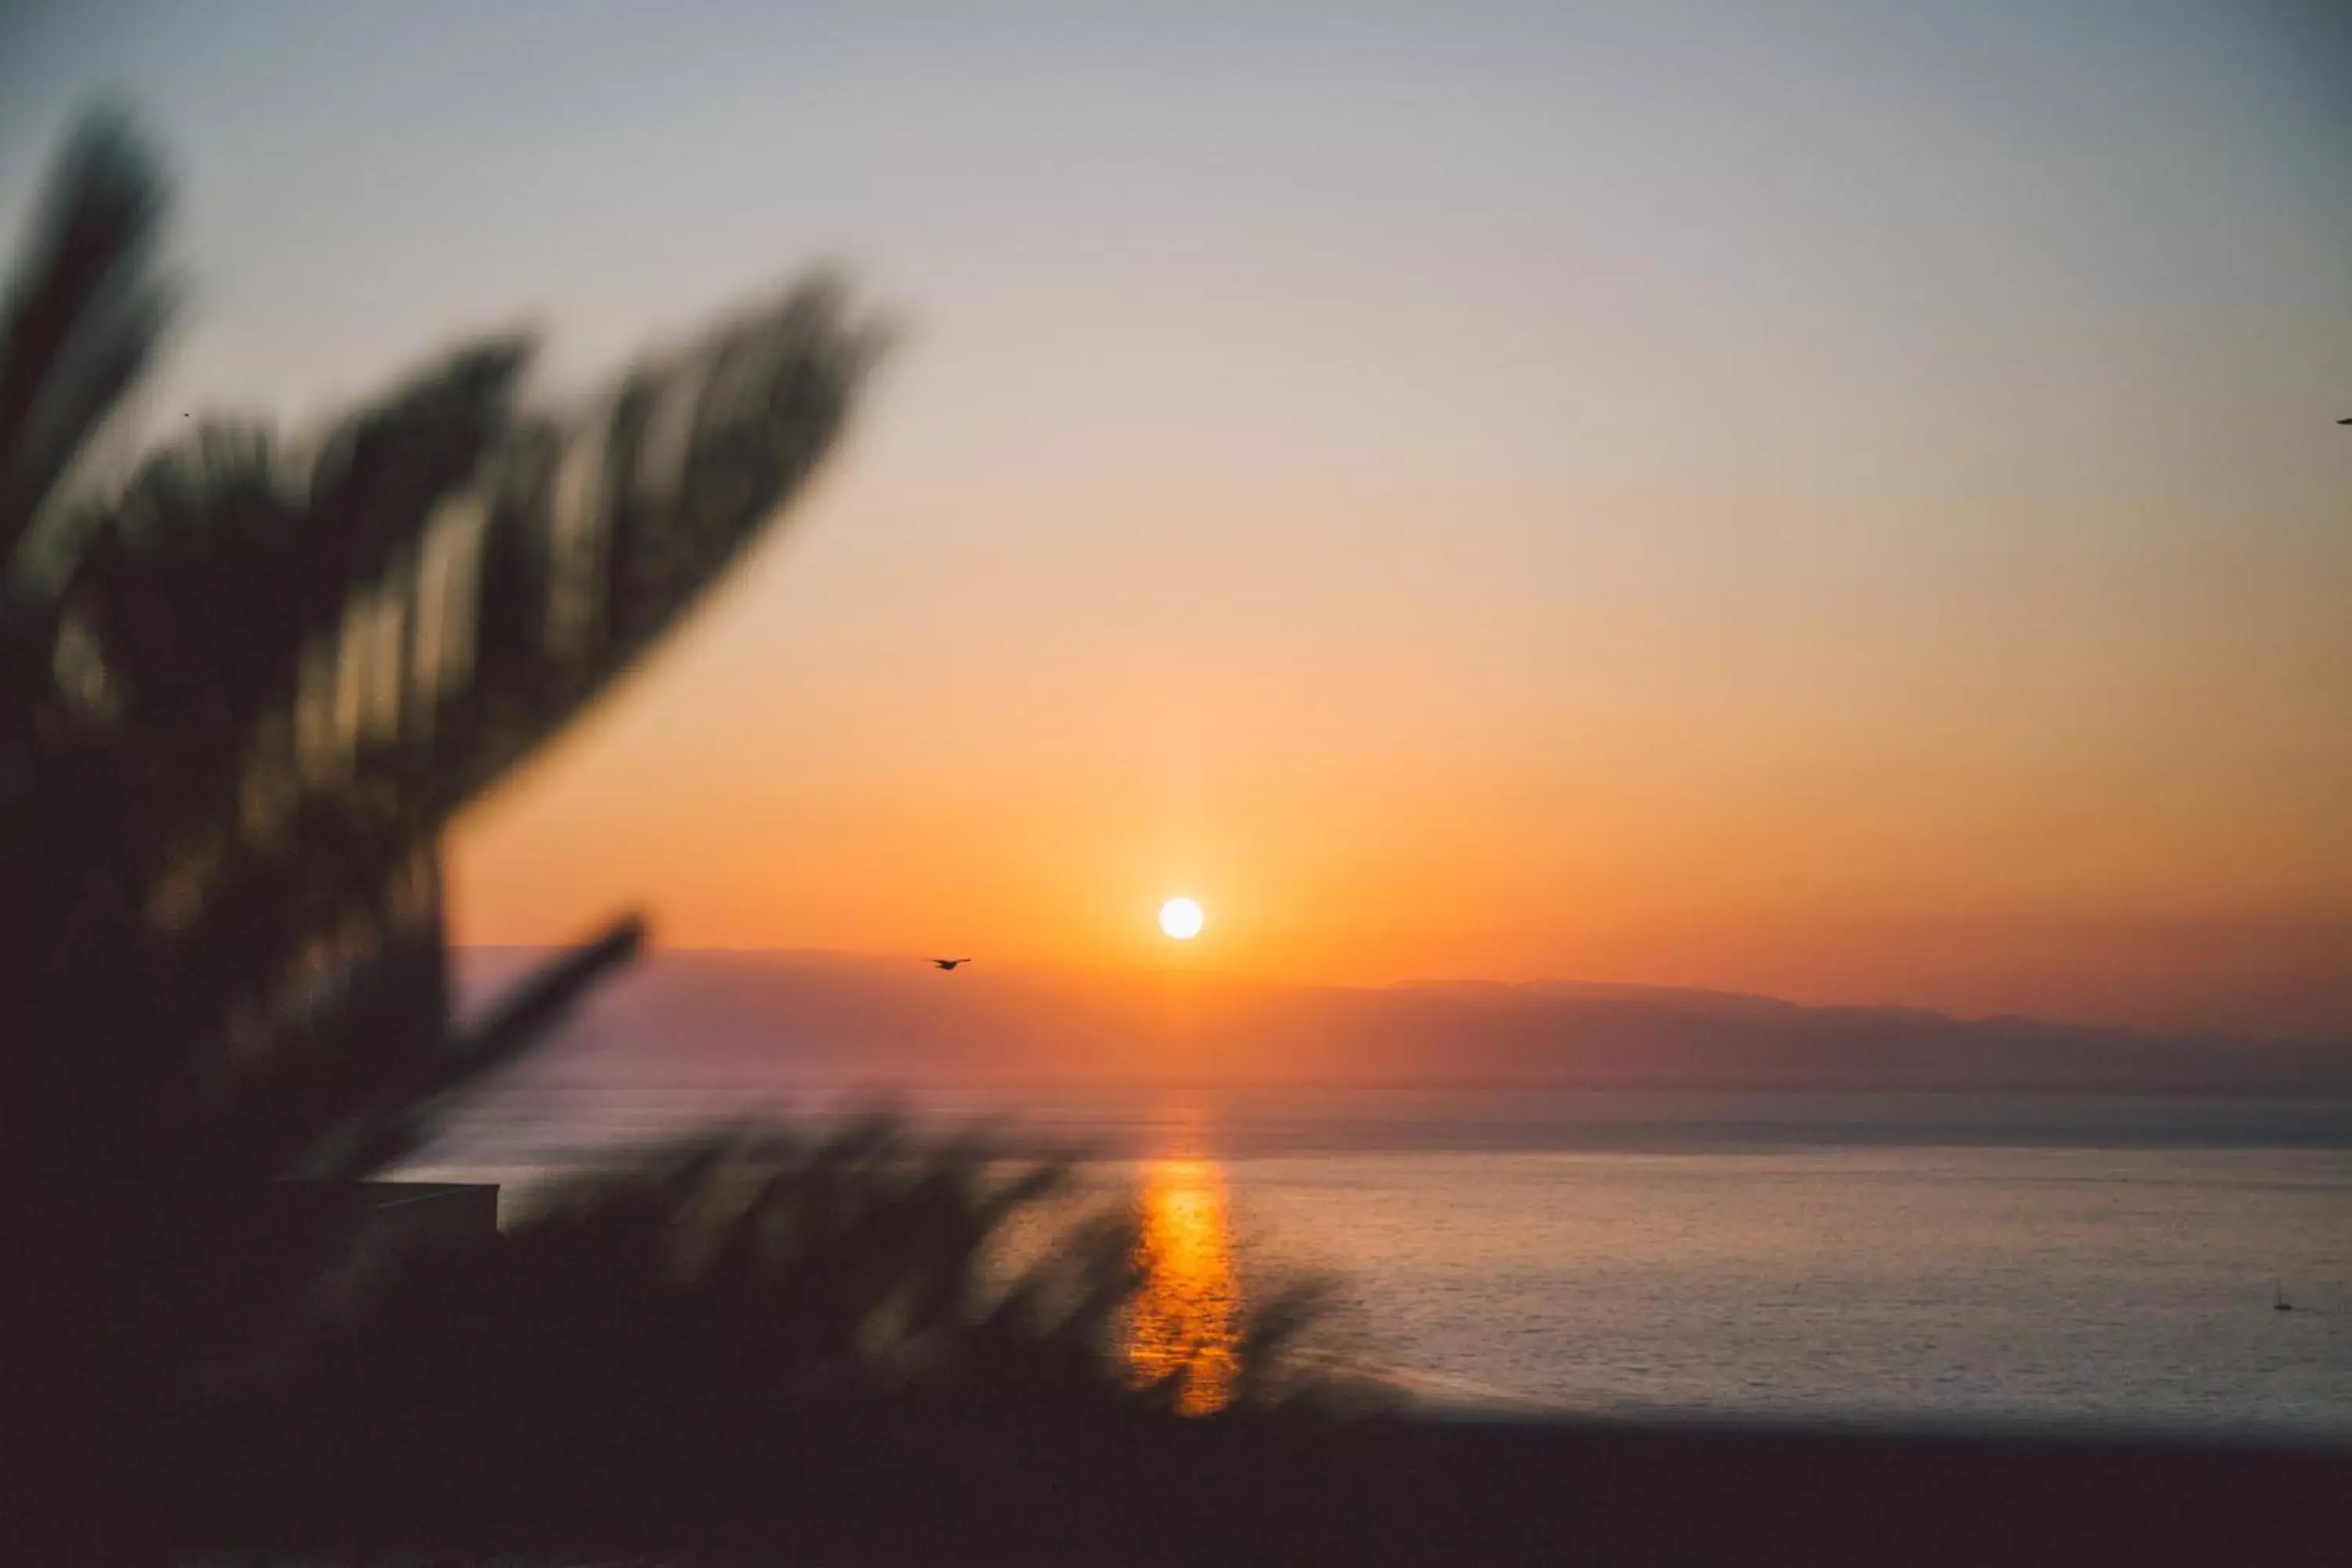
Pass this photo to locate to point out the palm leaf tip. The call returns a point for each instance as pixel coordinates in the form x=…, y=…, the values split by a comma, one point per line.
x=83, y=313
x=593, y=539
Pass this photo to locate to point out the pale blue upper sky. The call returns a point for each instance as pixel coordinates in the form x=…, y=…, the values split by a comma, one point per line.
x=2012, y=210
x=1932, y=394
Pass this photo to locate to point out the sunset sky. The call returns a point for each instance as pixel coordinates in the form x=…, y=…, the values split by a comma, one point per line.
x=1835, y=500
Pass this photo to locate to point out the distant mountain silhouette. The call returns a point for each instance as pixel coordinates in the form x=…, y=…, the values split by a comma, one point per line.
x=831, y=1019
x=1725, y=1004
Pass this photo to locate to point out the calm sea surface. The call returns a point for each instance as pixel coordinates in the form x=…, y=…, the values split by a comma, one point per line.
x=1950, y=1260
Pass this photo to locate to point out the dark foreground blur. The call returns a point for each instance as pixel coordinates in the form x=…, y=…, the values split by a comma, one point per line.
x=906, y=1487
x=242, y=692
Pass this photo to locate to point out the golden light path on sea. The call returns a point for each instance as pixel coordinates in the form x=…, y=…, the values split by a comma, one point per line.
x=1187, y=1317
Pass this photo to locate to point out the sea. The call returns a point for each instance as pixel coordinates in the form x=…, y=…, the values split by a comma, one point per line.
x=1964, y=1261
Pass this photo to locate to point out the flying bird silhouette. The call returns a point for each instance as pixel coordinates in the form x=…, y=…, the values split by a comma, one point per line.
x=949, y=963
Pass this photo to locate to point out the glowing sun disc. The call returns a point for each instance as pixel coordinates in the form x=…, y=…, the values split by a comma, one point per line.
x=1180, y=918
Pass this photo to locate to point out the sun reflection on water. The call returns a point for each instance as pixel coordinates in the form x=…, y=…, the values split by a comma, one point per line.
x=1187, y=1316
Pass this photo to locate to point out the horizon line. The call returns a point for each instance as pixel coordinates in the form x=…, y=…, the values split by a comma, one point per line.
x=1656, y=989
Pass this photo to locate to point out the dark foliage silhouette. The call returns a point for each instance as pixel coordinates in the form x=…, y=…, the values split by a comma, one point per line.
x=754, y=1268
x=866, y=1343
x=242, y=692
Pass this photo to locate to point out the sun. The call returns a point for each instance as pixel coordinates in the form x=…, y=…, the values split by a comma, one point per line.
x=1180, y=918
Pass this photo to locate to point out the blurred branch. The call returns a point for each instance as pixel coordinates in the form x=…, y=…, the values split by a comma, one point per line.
x=515, y=1026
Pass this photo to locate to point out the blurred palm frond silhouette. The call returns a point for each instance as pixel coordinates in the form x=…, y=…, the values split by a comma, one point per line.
x=753, y=1268
x=243, y=694
x=747, y=1272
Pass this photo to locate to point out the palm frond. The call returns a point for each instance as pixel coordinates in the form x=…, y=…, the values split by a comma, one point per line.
x=499, y=609
x=403, y=1113
x=302, y=676
x=241, y=700
x=82, y=316
x=592, y=542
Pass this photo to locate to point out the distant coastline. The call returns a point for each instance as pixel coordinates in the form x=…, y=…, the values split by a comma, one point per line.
x=828, y=1018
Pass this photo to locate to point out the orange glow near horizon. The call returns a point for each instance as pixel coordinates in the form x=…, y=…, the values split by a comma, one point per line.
x=1714, y=824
